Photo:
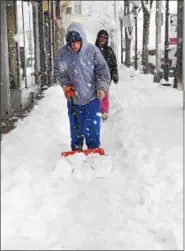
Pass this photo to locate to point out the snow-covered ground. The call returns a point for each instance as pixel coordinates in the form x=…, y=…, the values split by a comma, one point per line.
x=132, y=199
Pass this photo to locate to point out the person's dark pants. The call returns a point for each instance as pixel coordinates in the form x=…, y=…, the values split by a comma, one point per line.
x=88, y=117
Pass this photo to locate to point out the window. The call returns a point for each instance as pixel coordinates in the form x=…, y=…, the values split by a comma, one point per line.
x=78, y=9
x=12, y=44
x=25, y=36
x=68, y=10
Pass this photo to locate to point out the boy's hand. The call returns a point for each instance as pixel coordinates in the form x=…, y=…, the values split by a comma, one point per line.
x=69, y=91
x=100, y=94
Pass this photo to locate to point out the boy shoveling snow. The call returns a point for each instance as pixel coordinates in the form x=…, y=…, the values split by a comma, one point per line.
x=85, y=78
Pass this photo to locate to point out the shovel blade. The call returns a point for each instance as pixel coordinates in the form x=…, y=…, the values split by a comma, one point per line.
x=99, y=151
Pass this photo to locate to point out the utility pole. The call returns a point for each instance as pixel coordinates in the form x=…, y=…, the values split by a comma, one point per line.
x=146, y=6
x=126, y=37
x=135, y=40
x=42, y=48
x=178, y=73
x=128, y=33
x=135, y=8
x=120, y=15
x=121, y=29
x=166, y=61
x=115, y=30
x=158, y=72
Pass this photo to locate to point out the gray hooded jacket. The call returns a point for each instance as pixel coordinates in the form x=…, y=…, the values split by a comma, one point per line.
x=87, y=70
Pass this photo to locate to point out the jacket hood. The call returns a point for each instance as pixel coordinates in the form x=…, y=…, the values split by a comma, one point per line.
x=77, y=27
x=102, y=32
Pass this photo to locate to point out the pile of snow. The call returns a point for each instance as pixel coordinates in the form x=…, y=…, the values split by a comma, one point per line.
x=82, y=167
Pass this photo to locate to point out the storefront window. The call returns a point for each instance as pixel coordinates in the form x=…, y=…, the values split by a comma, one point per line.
x=25, y=35
x=12, y=44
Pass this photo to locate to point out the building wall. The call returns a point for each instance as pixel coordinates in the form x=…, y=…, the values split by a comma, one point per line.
x=29, y=84
x=12, y=46
x=5, y=82
x=71, y=11
x=16, y=93
x=76, y=11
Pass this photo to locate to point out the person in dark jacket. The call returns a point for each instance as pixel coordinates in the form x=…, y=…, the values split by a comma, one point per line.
x=110, y=57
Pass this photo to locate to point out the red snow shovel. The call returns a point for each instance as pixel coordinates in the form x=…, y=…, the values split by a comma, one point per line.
x=70, y=92
x=99, y=151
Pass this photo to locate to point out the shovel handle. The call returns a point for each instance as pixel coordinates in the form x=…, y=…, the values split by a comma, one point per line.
x=77, y=126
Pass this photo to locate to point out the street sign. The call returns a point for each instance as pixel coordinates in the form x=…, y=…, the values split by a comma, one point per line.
x=173, y=28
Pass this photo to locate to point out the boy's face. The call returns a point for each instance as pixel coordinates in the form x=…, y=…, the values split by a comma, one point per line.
x=75, y=46
x=102, y=40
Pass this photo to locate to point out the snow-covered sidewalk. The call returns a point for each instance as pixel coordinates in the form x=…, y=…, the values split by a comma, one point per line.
x=138, y=204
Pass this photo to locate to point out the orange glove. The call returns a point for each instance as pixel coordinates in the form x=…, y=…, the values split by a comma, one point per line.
x=69, y=91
